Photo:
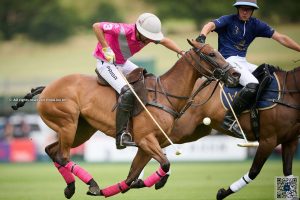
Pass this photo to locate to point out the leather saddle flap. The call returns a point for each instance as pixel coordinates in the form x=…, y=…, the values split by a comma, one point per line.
x=137, y=79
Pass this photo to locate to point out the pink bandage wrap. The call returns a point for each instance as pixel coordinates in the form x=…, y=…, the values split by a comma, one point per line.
x=79, y=172
x=154, y=178
x=114, y=189
x=66, y=174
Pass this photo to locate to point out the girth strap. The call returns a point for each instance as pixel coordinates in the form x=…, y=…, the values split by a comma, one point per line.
x=165, y=108
x=174, y=113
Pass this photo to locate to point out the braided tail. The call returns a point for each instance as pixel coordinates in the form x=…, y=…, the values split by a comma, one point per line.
x=34, y=91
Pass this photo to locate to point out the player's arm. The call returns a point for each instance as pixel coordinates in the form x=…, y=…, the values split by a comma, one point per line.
x=207, y=28
x=286, y=41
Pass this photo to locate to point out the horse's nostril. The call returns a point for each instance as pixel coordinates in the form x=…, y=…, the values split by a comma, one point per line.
x=236, y=75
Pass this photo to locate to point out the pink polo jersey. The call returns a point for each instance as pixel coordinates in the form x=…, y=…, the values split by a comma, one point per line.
x=122, y=40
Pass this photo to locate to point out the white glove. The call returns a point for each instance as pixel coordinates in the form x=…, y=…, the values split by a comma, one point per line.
x=109, y=54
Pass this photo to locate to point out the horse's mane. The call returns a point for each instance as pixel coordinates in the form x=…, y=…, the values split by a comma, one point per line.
x=273, y=68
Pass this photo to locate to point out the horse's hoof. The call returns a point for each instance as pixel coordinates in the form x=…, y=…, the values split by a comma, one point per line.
x=94, y=191
x=221, y=194
x=69, y=190
x=124, y=191
x=139, y=183
x=161, y=183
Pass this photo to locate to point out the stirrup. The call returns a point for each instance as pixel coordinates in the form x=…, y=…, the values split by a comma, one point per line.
x=127, y=140
x=234, y=128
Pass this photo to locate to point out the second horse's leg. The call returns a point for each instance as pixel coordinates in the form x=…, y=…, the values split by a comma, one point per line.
x=288, y=152
x=264, y=149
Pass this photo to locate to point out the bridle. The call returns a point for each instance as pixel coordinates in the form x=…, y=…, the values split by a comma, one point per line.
x=218, y=73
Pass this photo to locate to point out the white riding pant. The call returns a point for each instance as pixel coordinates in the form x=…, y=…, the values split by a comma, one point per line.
x=245, y=68
x=112, y=73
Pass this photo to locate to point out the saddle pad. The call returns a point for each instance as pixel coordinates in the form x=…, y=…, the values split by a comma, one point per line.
x=264, y=102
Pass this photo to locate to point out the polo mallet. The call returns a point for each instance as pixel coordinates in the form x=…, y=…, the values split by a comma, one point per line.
x=156, y=123
x=247, y=143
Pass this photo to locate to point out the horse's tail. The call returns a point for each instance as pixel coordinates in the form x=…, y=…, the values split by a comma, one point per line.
x=33, y=92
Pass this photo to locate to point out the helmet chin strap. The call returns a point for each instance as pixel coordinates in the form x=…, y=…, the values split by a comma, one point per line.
x=140, y=38
x=237, y=9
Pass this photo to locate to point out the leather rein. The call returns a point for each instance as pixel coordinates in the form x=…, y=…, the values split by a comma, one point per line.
x=216, y=74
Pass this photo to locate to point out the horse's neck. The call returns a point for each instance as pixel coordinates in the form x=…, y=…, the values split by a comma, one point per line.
x=289, y=80
x=180, y=79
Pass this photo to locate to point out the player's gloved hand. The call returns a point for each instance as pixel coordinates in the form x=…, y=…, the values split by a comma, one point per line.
x=201, y=38
x=109, y=54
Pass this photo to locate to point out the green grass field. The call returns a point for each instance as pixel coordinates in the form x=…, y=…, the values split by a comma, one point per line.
x=189, y=181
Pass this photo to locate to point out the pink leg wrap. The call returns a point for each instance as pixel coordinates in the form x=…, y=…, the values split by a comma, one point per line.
x=66, y=174
x=154, y=178
x=114, y=189
x=79, y=172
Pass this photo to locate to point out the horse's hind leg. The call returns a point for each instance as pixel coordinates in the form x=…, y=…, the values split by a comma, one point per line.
x=66, y=130
x=264, y=150
x=69, y=191
x=63, y=158
x=83, y=133
x=288, y=152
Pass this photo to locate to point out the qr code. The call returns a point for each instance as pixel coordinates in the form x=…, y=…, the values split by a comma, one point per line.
x=287, y=188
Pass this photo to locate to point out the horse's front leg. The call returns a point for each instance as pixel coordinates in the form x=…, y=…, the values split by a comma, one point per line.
x=137, y=166
x=152, y=147
x=139, y=162
x=149, y=149
x=264, y=150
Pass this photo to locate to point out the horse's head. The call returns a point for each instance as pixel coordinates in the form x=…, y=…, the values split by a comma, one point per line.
x=211, y=64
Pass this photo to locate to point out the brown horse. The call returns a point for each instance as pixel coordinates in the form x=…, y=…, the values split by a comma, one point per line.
x=85, y=107
x=278, y=125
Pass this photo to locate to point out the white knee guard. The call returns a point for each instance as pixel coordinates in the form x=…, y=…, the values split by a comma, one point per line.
x=111, y=74
x=245, y=68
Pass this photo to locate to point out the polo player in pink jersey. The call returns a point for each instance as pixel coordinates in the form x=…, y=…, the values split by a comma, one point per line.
x=117, y=42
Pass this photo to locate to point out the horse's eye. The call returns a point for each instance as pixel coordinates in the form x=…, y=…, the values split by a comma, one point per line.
x=212, y=54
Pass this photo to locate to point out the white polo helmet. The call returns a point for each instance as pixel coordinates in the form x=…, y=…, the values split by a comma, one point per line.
x=251, y=3
x=149, y=26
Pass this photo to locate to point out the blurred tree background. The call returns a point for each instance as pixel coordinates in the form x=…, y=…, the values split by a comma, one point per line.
x=56, y=20
x=51, y=21
x=272, y=11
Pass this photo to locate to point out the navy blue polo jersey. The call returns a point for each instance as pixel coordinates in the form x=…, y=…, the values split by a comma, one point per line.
x=235, y=35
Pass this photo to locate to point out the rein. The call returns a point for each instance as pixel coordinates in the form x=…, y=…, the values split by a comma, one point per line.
x=215, y=74
x=211, y=94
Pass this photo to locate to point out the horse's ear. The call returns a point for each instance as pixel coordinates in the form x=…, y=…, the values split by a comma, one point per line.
x=190, y=42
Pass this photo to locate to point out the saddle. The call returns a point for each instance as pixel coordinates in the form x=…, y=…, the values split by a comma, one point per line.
x=266, y=96
x=137, y=79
